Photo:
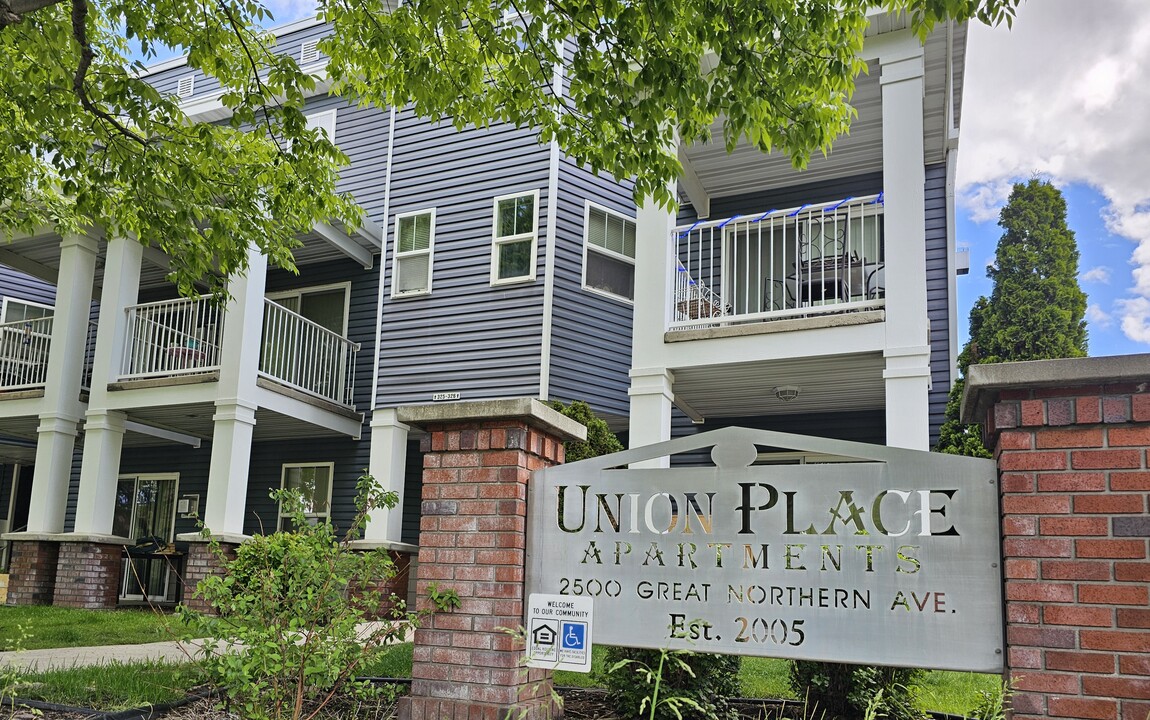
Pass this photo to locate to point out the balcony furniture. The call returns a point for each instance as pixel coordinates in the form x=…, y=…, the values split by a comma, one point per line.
x=144, y=562
x=186, y=358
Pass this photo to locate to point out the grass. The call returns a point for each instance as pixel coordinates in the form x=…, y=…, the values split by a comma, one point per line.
x=957, y=693
x=55, y=627
x=117, y=686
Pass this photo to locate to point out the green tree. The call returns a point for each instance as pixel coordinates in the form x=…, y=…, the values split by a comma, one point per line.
x=1036, y=308
x=87, y=141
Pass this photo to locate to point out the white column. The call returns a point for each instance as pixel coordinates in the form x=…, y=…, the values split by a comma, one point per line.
x=651, y=397
x=100, y=471
x=651, y=388
x=104, y=429
x=388, y=466
x=62, y=410
x=235, y=417
x=907, y=352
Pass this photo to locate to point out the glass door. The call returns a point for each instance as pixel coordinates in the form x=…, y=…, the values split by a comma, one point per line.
x=146, y=513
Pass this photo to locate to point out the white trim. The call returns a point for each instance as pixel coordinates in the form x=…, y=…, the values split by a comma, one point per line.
x=330, y=485
x=587, y=206
x=549, y=269
x=497, y=240
x=16, y=468
x=309, y=289
x=398, y=255
x=276, y=32
x=5, y=305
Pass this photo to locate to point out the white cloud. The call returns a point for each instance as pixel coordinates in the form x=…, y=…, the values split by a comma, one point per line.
x=1135, y=318
x=1099, y=274
x=1064, y=93
x=1098, y=317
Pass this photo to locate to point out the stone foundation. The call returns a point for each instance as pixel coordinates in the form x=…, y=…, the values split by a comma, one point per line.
x=202, y=563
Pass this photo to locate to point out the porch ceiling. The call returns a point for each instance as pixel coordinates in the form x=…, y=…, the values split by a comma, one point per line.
x=196, y=420
x=834, y=383
x=747, y=170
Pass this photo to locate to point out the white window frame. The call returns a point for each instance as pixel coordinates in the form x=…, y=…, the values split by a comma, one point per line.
x=322, y=120
x=397, y=255
x=588, y=247
x=168, y=536
x=296, y=292
x=497, y=241
x=283, y=486
x=8, y=301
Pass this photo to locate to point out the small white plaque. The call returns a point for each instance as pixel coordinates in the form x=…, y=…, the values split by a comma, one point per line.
x=559, y=632
x=440, y=397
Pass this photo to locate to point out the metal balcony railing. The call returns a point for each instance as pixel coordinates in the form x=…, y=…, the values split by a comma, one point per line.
x=24, y=348
x=173, y=337
x=307, y=356
x=814, y=259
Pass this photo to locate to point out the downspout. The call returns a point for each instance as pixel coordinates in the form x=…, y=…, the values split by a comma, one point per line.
x=549, y=253
x=383, y=259
x=951, y=150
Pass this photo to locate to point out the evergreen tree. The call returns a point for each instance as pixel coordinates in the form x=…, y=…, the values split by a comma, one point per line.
x=1035, y=310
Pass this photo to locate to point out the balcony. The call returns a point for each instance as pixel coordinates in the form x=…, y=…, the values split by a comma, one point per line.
x=817, y=259
x=24, y=349
x=184, y=337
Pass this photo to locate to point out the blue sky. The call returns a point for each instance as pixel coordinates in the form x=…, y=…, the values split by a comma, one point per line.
x=1065, y=94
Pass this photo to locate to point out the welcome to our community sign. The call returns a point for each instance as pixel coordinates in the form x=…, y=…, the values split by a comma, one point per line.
x=892, y=558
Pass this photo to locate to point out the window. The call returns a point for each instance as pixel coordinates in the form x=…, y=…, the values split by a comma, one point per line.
x=18, y=310
x=414, y=239
x=609, y=253
x=324, y=305
x=515, y=226
x=324, y=121
x=313, y=482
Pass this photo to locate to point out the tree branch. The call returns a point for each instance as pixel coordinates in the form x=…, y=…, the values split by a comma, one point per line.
x=87, y=55
x=13, y=11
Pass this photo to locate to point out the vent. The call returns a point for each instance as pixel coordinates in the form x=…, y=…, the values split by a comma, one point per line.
x=186, y=86
x=308, y=52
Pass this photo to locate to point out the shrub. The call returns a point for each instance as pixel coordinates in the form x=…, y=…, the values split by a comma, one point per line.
x=846, y=691
x=701, y=683
x=288, y=635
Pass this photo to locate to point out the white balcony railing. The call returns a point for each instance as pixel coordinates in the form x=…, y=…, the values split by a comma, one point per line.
x=173, y=337
x=814, y=259
x=24, y=348
x=307, y=356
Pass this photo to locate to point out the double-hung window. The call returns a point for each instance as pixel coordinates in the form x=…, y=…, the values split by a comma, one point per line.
x=609, y=253
x=312, y=483
x=414, y=243
x=514, y=231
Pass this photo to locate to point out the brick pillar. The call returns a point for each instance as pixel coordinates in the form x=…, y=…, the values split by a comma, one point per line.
x=477, y=471
x=202, y=562
x=392, y=592
x=1071, y=444
x=32, y=572
x=88, y=575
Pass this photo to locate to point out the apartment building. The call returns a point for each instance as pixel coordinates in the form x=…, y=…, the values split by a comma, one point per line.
x=489, y=265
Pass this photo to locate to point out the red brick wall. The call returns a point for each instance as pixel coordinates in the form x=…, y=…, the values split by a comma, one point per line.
x=472, y=541
x=1075, y=478
x=88, y=575
x=32, y=572
x=201, y=563
x=392, y=591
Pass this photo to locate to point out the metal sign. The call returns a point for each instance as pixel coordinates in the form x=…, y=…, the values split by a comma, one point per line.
x=889, y=559
x=559, y=631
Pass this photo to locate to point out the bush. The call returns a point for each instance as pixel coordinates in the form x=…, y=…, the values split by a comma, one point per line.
x=286, y=638
x=600, y=440
x=846, y=691
x=705, y=682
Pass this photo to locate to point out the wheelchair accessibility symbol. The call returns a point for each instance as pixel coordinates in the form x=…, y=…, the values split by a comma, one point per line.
x=573, y=636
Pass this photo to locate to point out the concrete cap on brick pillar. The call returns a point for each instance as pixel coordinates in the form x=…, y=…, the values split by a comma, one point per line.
x=528, y=409
x=985, y=382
